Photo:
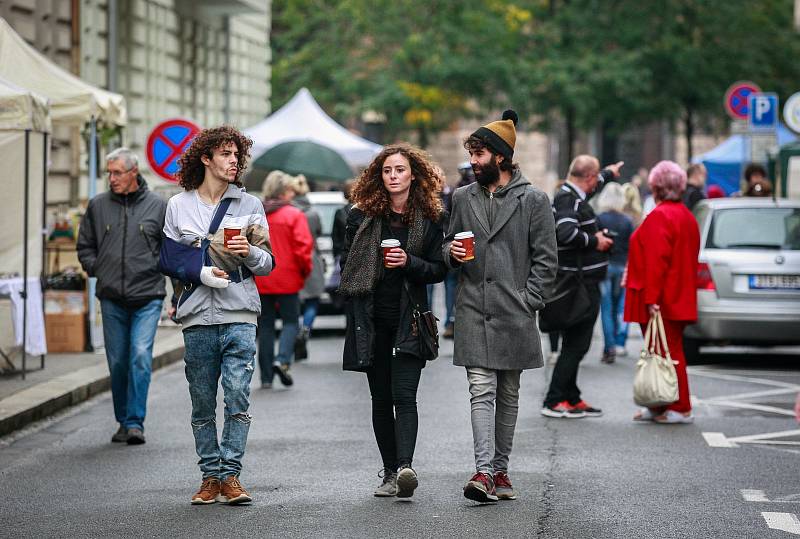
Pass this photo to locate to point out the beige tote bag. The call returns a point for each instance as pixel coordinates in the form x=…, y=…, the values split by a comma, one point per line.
x=655, y=383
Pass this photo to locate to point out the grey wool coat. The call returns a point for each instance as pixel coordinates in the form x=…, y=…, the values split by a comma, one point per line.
x=500, y=290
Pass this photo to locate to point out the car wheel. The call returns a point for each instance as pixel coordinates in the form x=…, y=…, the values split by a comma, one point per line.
x=691, y=350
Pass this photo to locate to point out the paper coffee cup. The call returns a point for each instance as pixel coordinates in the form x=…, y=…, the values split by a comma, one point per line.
x=229, y=233
x=467, y=240
x=388, y=245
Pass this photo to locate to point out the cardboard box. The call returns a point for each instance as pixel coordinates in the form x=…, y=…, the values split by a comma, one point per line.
x=66, y=332
x=64, y=302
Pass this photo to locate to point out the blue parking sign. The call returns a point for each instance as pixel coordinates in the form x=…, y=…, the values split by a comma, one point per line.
x=763, y=111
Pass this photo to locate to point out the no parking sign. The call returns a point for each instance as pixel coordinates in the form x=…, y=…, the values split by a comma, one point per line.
x=166, y=144
x=736, y=98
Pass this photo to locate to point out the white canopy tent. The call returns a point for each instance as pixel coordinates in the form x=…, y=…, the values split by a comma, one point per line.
x=303, y=119
x=72, y=102
x=24, y=128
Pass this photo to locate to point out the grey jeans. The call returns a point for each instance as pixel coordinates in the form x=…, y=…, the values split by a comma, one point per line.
x=495, y=402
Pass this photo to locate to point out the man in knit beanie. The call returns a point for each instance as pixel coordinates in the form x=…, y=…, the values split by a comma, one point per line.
x=500, y=290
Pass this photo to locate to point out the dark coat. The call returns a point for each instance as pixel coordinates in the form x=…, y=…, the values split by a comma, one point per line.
x=119, y=242
x=419, y=272
x=500, y=290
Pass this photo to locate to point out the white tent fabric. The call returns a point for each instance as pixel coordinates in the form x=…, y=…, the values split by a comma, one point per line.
x=303, y=119
x=72, y=101
x=21, y=109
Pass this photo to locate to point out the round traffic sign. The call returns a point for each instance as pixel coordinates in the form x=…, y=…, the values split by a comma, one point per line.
x=791, y=112
x=166, y=143
x=736, y=102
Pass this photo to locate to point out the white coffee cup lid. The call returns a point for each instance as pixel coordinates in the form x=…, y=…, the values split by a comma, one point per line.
x=462, y=235
x=390, y=243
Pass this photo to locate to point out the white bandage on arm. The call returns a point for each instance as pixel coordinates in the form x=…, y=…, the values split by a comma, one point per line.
x=209, y=279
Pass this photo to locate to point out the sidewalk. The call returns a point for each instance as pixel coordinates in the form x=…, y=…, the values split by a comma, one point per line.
x=69, y=379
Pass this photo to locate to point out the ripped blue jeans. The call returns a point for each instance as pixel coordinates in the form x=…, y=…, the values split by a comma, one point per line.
x=227, y=351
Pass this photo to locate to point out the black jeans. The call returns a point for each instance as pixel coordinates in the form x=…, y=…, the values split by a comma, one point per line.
x=575, y=342
x=393, y=383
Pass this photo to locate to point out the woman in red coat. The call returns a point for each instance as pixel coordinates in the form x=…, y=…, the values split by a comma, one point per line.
x=662, y=271
x=292, y=244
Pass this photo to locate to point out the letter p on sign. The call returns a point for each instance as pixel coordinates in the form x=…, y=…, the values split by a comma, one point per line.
x=763, y=111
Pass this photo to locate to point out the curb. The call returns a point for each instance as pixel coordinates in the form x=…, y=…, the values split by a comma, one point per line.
x=47, y=398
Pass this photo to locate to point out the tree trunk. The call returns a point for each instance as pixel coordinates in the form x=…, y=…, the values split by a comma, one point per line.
x=422, y=137
x=688, y=124
x=570, y=133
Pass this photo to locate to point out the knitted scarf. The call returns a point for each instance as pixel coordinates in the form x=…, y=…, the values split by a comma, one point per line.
x=364, y=266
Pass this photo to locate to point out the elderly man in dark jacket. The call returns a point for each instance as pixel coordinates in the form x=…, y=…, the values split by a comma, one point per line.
x=119, y=241
x=582, y=250
x=499, y=292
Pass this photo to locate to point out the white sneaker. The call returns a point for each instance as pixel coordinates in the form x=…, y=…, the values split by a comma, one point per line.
x=621, y=351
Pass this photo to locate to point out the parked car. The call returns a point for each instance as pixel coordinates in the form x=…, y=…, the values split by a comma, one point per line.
x=748, y=279
x=326, y=203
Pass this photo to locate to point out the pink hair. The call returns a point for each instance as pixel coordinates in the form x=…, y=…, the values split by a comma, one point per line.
x=667, y=180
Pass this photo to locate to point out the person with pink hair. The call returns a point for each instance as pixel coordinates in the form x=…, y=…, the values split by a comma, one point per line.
x=662, y=270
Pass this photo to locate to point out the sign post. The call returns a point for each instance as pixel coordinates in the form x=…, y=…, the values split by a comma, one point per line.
x=166, y=143
x=736, y=98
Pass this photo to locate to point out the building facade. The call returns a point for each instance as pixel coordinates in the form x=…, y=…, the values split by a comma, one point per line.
x=203, y=60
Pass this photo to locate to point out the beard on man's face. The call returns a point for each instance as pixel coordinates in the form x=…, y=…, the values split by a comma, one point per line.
x=487, y=174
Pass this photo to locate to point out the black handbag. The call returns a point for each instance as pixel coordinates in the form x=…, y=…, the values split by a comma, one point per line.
x=425, y=326
x=568, y=304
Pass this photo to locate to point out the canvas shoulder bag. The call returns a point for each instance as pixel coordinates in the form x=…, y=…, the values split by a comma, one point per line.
x=656, y=382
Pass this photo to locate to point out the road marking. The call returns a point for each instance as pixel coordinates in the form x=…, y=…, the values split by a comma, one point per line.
x=745, y=379
x=761, y=438
x=746, y=406
x=717, y=439
x=785, y=522
x=753, y=394
x=751, y=495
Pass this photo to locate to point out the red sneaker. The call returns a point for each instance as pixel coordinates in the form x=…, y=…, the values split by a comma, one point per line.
x=590, y=411
x=562, y=409
x=480, y=488
x=502, y=485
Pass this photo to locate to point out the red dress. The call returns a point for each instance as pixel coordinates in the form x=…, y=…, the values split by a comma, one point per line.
x=662, y=269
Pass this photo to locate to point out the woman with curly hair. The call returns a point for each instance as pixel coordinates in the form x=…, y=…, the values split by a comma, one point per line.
x=396, y=198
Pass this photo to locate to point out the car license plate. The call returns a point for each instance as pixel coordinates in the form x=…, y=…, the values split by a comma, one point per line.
x=775, y=282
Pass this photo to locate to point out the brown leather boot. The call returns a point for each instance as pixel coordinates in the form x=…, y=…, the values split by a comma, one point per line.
x=208, y=492
x=232, y=492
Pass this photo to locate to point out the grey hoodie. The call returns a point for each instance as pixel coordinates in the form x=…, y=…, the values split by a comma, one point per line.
x=187, y=223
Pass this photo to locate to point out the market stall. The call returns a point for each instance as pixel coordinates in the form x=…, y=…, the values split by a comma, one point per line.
x=24, y=130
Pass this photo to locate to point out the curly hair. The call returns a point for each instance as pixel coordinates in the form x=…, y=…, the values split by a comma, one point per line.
x=191, y=170
x=371, y=197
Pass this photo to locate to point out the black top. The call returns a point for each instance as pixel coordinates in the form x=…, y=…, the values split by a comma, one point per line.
x=387, y=294
x=576, y=226
x=692, y=196
x=623, y=226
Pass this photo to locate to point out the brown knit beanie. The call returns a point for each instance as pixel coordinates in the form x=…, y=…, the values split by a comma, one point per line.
x=500, y=136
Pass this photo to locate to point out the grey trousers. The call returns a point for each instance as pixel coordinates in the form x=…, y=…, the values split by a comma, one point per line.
x=495, y=402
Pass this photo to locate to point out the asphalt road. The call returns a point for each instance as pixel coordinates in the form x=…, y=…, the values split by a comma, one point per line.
x=312, y=463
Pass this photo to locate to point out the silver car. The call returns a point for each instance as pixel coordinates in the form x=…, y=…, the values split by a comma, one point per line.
x=748, y=282
x=326, y=203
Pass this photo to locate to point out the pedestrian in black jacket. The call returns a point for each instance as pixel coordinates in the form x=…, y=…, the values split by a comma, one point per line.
x=118, y=243
x=582, y=249
x=396, y=197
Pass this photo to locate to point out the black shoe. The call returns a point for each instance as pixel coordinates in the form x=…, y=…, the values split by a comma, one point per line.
x=120, y=436
x=608, y=357
x=300, y=345
x=283, y=374
x=135, y=437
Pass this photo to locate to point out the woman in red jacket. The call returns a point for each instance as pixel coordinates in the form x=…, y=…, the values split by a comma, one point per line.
x=292, y=244
x=662, y=271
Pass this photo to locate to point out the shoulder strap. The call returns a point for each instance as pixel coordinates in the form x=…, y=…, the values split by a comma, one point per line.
x=222, y=207
x=411, y=296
